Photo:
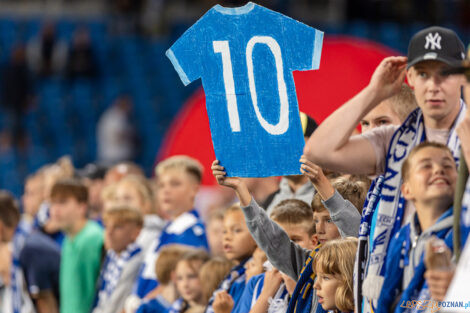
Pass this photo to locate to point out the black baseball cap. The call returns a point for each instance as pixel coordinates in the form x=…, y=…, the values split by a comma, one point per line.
x=435, y=43
x=461, y=68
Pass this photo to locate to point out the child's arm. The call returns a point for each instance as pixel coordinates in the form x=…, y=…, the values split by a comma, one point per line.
x=317, y=178
x=272, y=239
x=272, y=282
x=233, y=182
x=342, y=212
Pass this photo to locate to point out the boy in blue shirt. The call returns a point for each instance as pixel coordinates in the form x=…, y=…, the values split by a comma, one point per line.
x=429, y=176
x=239, y=246
x=179, y=178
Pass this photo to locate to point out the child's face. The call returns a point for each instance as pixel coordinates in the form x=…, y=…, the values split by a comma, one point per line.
x=237, y=240
x=379, y=116
x=437, y=95
x=187, y=280
x=176, y=192
x=215, y=229
x=325, y=286
x=255, y=265
x=33, y=195
x=65, y=212
x=431, y=177
x=326, y=229
x=126, y=194
x=118, y=235
x=298, y=233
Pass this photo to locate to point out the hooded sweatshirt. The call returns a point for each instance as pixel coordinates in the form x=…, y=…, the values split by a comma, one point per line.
x=304, y=193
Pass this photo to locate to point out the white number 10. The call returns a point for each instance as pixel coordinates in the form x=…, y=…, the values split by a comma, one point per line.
x=223, y=48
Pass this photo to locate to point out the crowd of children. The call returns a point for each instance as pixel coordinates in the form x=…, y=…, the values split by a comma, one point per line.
x=353, y=233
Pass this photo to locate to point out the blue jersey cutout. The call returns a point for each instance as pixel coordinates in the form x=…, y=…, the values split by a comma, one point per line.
x=245, y=57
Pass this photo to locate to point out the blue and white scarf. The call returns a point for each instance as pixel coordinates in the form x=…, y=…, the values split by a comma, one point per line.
x=392, y=204
x=177, y=306
x=112, y=269
x=20, y=298
x=370, y=205
x=236, y=274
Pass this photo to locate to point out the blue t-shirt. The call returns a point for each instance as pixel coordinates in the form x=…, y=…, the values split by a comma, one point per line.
x=40, y=261
x=252, y=290
x=245, y=57
x=157, y=305
x=187, y=229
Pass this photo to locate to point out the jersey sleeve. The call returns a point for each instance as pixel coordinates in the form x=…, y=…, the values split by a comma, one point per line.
x=186, y=54
x=304, y=45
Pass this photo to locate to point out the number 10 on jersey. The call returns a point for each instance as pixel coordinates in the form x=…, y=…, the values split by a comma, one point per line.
x=223, y=48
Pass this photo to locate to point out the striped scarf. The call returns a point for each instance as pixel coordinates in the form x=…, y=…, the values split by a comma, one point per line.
x=236, y=274
x=112, y=269
x=362, y=254
x=178, y=306
x=20, y=298
x=302, y=297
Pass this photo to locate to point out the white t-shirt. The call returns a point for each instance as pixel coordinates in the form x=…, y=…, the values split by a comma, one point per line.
x=380, y=138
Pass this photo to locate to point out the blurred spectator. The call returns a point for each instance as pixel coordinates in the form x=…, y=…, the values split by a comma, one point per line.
x=120, y=170
x=127, y=14
x=82, y=249
x=116, y=134
x=93, y=177
x=215, y=230
x=81, y=61
x=46, y=54
x=15, y=297
x=17, y=90
x=33, y=196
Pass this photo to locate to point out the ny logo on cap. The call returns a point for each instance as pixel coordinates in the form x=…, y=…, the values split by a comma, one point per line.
x=433, y=42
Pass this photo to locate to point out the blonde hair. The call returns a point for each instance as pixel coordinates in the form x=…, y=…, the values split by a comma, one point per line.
x=108, y=195
x=212, y=273
x=167, y=259
x=143, y=187
x=194, y=255
x=405, y=168
x=123, y=214
x=403, y=102
x=62, y=169
x=352, y=190
x=190, y=165
x=336, y=257
x=233, y=208
x=293, y=211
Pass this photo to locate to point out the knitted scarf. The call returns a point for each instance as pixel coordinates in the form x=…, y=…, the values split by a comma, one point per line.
x=302, y=298
x=237, y=273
